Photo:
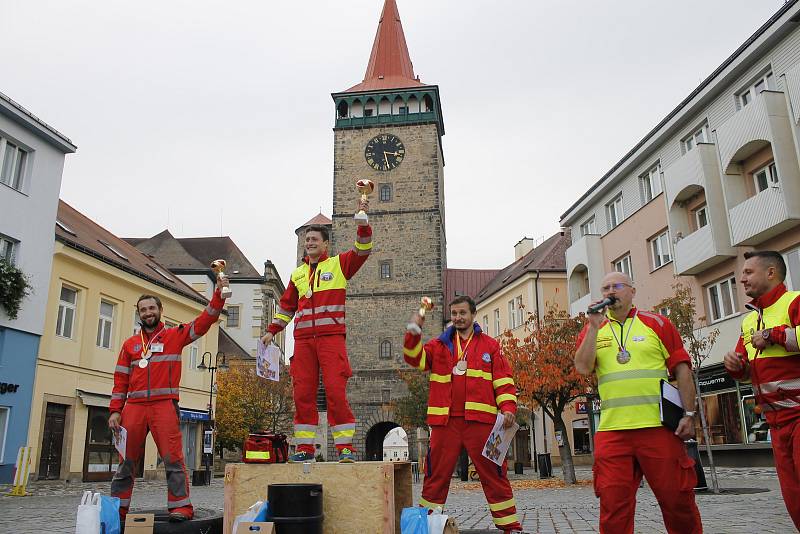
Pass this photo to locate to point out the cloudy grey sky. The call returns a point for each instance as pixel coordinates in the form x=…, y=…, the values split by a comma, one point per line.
x=216, y=117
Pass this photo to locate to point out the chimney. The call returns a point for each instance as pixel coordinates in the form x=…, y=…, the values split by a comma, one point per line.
x=522, y=247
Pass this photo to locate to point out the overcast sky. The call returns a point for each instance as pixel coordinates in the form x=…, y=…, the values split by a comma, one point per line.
x=216, y=117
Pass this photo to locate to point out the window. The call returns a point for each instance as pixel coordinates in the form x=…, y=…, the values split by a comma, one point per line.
x=7, y=246
x=403, y=110
x=623, y=265
x=614, y=212
x=486, y=323
x=368, y=112
x=512, y=314
x=65, y=227
x=66, y=312
x=701, y=216
x=589, y=227
x=664, y=310
x=650, y=184
x=3, y=432
x=12, y=164
x=386, y=396
x=386, y=269
x=765, y=82
x=722, y=299
x=792, y=259
x=137, y=325
x=194, y=356
x=104, y=324
x=233, y=317
x=114, y=250
x=698, y=136
x=497, y=322
x=386, y=350
x=660, y=249
x=161, y=272
x=386, y=193
x=765, y=177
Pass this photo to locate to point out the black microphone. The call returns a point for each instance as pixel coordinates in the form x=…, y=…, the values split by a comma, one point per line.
x=597, y=308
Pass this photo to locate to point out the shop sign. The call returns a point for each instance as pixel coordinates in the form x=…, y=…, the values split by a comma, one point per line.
x=580, y=406
x=190, y=415
x=208, y=437
x=716, y=381
x=8, y=388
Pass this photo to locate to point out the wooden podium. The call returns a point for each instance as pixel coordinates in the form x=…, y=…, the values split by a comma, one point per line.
x=363, y=497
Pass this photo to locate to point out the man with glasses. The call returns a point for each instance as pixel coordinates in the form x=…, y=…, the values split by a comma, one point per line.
x=631, y=351
x=768, y=355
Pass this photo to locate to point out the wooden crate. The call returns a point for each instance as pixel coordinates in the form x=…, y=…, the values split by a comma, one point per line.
x=363, y=497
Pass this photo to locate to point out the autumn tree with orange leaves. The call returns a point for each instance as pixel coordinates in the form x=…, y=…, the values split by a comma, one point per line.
x=544, y=372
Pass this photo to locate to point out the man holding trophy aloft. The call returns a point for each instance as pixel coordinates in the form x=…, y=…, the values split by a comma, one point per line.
x=316, y=297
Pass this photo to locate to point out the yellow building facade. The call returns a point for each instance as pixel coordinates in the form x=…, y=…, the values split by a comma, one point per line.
x=90, y=312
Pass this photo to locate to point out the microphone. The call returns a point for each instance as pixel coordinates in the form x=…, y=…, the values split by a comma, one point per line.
x=597, y=308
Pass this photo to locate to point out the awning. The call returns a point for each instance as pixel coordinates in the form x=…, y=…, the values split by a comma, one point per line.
x=187, y=414
x=94, y=399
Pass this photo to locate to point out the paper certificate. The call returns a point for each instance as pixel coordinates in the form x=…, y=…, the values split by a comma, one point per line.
x=120, y=441
x=267, y=361
x=499, y=441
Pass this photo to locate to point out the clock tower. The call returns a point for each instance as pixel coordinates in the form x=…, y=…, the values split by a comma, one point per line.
x=389, y=129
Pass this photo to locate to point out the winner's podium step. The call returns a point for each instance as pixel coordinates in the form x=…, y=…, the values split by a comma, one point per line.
x=362, y=497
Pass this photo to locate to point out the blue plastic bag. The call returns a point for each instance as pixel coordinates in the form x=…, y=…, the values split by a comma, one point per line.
x=263, y=514
x=109, y=515
x=414, y=520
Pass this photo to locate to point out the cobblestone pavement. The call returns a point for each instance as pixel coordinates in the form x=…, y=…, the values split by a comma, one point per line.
x=52, y=505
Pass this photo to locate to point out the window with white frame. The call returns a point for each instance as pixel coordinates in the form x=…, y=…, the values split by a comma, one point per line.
x=105, y=324
x=614, y=212
x=660, y=250
x=765, y=177
x=497, y=322
x=763, y=83
x=386, y=270
x=698, y=136
x=67, y=306
x=589, y=227
x=512, y=314
x=650, y=183
x=385, y=192
x=624, y=265
x=386, y=350
x=701, y=216
x=194, y=356
x=7, y=248
x=233, y=317
x=518, y=305
x=722, y=299
x=486, y=324
x=12, y=164
x=792, y=259
x=3, y=432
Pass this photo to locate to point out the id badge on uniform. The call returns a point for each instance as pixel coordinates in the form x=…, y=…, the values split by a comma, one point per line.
x=157, y=347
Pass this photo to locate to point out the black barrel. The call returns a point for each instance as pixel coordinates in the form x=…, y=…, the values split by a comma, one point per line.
x=296, y=508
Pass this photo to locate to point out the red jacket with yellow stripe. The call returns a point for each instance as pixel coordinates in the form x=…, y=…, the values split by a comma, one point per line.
x=316, y=296
x=490, y=386
x=161, y=379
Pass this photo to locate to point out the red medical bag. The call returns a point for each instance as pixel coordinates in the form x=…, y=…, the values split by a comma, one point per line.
x=265, y=448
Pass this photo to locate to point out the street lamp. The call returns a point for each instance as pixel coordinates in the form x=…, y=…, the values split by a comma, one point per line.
x=213, y=365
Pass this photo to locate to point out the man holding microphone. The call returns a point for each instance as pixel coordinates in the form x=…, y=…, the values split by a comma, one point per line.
x=631, y=351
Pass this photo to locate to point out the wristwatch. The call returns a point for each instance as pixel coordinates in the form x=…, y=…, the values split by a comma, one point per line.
x=766, y=333
x=689, y=414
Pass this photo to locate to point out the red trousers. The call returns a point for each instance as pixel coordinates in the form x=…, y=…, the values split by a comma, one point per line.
x=162, y=419
x=446, y=444
x=786, y=449
x=620, y=459
x=329, y=354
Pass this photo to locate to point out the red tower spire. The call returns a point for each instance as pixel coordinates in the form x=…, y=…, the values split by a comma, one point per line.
x=389, y=65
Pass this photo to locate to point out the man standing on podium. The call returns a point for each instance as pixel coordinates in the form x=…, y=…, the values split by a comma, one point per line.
x=470, y=383
x=631, y=351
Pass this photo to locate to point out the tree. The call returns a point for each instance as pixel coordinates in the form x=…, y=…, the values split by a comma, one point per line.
x=683, y=314
x=14, y=287
x=412, y=409
x=544, y=371
x=248, y=403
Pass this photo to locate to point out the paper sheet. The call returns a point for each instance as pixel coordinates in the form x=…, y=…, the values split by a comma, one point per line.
x=120, y=440
x=267, y=361
x=672, y=394
x=499, y=441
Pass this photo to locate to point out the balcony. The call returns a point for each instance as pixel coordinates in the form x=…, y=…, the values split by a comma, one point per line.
x=580, y=305
x=701, y=249
x=695, y=170
x=760, y=218
x=584, y=271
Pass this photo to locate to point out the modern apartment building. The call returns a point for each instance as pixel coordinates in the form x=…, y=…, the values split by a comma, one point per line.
x=715, y=178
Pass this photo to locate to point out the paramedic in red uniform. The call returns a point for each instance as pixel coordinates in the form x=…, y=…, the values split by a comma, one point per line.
x=768, y=355
x=316, y=297
x=470, y=383
x=145, y=398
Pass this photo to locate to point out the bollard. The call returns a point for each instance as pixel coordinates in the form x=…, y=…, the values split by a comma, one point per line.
x=21, y=472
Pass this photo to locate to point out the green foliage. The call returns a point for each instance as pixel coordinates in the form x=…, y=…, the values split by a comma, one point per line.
x=412, y=410
x=14, y=286
x=682, y=313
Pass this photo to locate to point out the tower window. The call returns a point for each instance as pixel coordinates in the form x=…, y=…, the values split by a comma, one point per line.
x=386, y=192
x=342, y=109
x=403, y=110
x=368, y=112
x=386, y=350
x=386, y=270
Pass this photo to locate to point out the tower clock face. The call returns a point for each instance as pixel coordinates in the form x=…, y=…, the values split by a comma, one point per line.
x=384, y=152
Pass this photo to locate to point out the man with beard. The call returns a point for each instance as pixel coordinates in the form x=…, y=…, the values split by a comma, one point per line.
x=768, y=354
x=145, y=398
x=470, y=383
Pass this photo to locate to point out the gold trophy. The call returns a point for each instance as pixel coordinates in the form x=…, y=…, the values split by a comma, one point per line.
x=365, y=187
x=218, y=266
x=425, y=305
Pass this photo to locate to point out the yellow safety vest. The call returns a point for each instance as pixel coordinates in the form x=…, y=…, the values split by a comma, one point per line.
x=775, y=315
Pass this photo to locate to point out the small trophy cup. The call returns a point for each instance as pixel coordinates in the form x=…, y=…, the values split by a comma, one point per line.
x=425, y=305
x=365, y=187
x=218, y=266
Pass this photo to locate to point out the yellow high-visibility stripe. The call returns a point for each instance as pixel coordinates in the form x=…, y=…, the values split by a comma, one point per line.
x=507, y=520
x=282, y=317
x=257, y=455
x=480, y=407
x=502, y=382
x=496, y=507
x=438, y=410
x=442, y=379
x=304, y=434
x=422, y=360
x=413, y=353
x=344, y=434
x=479, y=374
x=505, y=397
x=363, y=246
x=429, y=504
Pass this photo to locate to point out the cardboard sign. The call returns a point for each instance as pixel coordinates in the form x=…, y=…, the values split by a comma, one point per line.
x=139, y=523
x=259, y=527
